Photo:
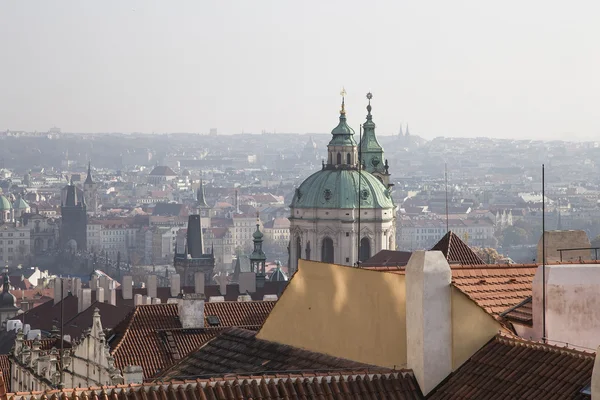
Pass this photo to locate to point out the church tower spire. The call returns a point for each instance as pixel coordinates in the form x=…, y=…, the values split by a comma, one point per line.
x=342, y=150
x=370, y=149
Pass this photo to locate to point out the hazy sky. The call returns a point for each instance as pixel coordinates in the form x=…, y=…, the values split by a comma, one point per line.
x=519, y=69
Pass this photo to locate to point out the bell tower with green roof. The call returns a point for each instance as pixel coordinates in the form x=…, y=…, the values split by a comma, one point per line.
x=342, y=151
x=371, y=152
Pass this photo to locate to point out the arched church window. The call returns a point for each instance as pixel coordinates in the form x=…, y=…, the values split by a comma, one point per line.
x=348, y=158
x=307, y=250
x=365, y=249
x=339, y=158
x=327, y=250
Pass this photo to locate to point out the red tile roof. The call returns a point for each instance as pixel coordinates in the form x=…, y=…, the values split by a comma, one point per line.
x=457, y=251
x=5, y=370
x=367, y=384
x=522, y=313
x=145, y=329
x=494, y=287
x=388, y=258
x=509, y=368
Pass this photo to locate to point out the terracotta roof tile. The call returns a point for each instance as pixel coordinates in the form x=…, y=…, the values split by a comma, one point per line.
x=522, y=313
x=147, y=327
x=5, y=370
x=510, y=368
x=495, y=287
x=367, y=384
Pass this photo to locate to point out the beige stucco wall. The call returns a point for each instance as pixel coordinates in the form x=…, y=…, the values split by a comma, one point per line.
x=342, y=311
x=472, y=327
x=572, y=304
x=565, y=240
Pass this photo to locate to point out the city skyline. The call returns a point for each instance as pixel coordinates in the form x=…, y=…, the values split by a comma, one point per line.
x=459, y=70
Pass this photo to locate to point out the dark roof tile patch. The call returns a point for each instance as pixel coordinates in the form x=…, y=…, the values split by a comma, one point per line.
x=510, y=368
x=456, y=251
x=239, y=351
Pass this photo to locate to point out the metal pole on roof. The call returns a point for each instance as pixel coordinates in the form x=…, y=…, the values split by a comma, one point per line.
x=543, y=256
x=359, y=193
x=61, y=384
x=446, y=178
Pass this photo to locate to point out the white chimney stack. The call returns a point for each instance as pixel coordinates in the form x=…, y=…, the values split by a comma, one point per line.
x=138, y=300
x=100, y=294
x=112, y=297
x=175, y=285
x=199, y=283
x=152, y=285
x=429, y=318
x=127, y=287
x=85, y=300
x=191, y=311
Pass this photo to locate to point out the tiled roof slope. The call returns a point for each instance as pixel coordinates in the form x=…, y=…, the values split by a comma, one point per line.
x=522, y=313
x=388, y=258
x=494, y=287
x=456, y=251
x=399, y=385
x=145, y=329
x=239, y=351
x=5, y=369
x=508, y=368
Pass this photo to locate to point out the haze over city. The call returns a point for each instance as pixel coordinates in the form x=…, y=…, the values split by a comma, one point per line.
x=459, y=69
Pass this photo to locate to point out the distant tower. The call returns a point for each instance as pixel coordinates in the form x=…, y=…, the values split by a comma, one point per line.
x=258, y=257
x=73, y=229
x=400, y=133
x=202, y=207
x=371, y=152
x=193, y=259
x=90, y=191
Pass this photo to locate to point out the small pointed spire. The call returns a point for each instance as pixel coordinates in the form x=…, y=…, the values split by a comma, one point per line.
x=369, y=97
x=343, y=94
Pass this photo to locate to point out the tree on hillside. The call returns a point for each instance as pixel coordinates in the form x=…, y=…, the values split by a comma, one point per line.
x=488, y=254
x=514, y=236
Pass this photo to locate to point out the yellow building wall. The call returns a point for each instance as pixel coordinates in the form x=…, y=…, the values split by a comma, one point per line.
x=472, y=327
x=342, y=311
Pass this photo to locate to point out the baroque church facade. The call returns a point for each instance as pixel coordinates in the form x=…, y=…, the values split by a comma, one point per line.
x=344, y=213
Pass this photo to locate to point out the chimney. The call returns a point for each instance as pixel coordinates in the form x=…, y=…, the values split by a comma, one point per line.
x=270, y=297
x=57, y=294
x=199, y=283
x=429, y=318
x=596, y=377
x=100, y=295
x=112, y=297
x=216, y=299
x=155, y=300
x=103, y=283
x=138, y=300
x=247, y=282
x=133, y=374
x=147, y=300
x=175, y=285
x=127, y=287
x=244, y=297
x=84, y=301
x=151, y=285
x=76, y=287
x=191, y=311
x=94, y=282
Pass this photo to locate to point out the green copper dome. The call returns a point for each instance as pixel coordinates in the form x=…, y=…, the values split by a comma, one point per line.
x=342, y=134
x=21, y=204
x=338, y=188
x=4, y=204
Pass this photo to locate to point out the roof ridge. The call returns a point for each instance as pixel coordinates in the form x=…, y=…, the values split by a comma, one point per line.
x=518, y=341
x=132, y=315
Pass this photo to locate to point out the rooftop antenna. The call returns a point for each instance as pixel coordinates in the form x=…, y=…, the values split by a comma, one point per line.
x=62, y=335
x=446, y=178
x=543, y=256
